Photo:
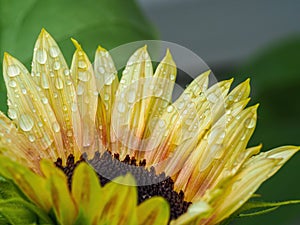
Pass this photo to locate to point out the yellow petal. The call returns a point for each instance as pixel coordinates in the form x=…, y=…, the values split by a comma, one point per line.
x=196, y=212
x=31, y=184
x=16, y=146
x=239, y=93
x=216, y=153
x=87, y=95
x=62, y=202
x=87, y=192
x=178, y=123
x=156, y=210
x=30, y=110
x=51, y=73
x=198, y=85
x=254, y=172
x=107, y=84
x=120, y=202
x=159, y=99
x=131, y=105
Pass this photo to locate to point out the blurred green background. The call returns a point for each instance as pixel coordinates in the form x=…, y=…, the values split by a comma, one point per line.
x=241, y=39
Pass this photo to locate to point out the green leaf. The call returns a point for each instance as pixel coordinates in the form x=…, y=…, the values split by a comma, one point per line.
x=15, y=207
x=92, y=22
x=9, y=190
x=17, y=211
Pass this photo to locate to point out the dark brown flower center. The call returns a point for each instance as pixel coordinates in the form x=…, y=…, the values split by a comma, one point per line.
x=149, y=184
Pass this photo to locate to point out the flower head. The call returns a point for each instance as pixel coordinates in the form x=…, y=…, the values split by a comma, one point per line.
x=193, y=152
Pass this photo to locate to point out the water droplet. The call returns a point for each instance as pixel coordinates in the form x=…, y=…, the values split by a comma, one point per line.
x=243, y=137
x=26, y=123
x=109, y=79
x=40, y=124
x=170, y=109
x=56, y=65
x=13, y=70
x=80, y=89
x=250, y=123
x=172, y=77
x=41, y=56
x=82, y=64
x=67, y=72
x=212, y=98
x=181, y=105
x=121, y=107
x=54, y=51
x=131, y=96
x=55, y=127
x=101, y=69
x=44, y=81
x=59, y=83
x=44, y=100
x=31, y=138
x=83, y=76
x=46, y=141
x=12, y=113
x=161, y=123
x=12, y=83
x=74, y=107
x=24, y=91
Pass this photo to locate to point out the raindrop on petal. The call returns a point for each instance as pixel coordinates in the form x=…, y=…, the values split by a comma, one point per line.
x=121, y=107
x=83, y=76
x=13, y=70
x=59, y=83
x=12, y=83
x=56, y=127
x=26, y=123
x=41, y=56
x=250, y=123
x=54, y=51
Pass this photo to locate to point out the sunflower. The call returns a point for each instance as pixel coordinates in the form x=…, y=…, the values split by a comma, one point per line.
x=82, y=147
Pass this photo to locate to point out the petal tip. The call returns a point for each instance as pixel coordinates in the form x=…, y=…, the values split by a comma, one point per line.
x=101, y=49
x=76, y=44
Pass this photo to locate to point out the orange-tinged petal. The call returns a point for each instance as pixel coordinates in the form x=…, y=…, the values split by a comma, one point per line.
x=254, y=172
x=51, y=73
x=16, y=146
x=132, y=105
x=30, y=110
x=179, y=122
x=107, y=84
x=87, y=96
x=216, y=152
